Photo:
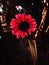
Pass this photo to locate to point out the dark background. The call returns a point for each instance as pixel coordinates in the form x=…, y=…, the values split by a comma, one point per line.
x=9, y=44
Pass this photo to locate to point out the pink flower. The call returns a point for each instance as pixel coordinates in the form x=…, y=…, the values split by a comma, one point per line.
x=22, y=25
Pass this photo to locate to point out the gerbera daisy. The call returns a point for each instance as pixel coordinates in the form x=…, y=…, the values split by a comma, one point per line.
x=22, y=25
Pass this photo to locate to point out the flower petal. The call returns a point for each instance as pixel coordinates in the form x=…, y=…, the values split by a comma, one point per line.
x=13, y=22
x=23, y=34
x=32, y=29
x=29, y=32
x=26, y=17
x=19, y=17
x=23, y=17
x=18, y=34
x=14, y=32
x=26, y=34
x=33, y=26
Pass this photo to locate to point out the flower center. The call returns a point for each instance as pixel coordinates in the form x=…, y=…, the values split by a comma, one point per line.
x=24, y=26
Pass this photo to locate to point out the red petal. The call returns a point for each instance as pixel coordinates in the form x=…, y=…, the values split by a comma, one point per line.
x=22, y=34
x=29, y=17
x=26, y=34
x=14, y=26
x=14, y=32
x=32, y=29
x=33, y=22
x=23, y=17
x=26, y=17
x=13, y=22
x=33, y=25
x=19, y=17
x=29, y=32
x=18, y=34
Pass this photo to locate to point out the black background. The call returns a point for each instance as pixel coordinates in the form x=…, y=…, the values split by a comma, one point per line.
x=9, y=45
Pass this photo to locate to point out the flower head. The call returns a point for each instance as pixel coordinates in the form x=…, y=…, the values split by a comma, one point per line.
x=22, y=25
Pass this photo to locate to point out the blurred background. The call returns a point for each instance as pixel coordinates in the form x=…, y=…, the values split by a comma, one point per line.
x=34, y=8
